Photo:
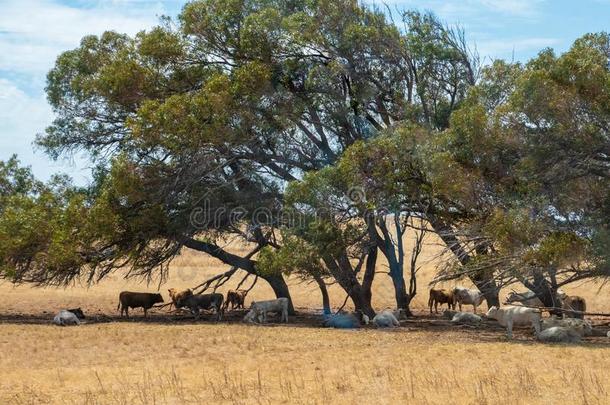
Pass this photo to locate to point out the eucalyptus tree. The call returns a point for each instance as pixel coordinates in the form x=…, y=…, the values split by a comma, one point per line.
x=529, y=152
x=198, y=122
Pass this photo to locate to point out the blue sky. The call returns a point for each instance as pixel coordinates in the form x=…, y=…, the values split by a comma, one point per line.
x=34, y=32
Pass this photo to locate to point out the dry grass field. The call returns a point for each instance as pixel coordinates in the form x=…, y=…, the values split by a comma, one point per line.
x=172, y=359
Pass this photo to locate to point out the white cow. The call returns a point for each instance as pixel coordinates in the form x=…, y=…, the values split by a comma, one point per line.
x=466, y=317
x=573, y=323
x=562, y=334
x=463, y=295
x=259, y=309
x=510, y=316
x=66, y=318
x=527, y=298
x=386, y=319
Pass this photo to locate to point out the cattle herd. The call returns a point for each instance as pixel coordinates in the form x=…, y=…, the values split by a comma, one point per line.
x=522, y=309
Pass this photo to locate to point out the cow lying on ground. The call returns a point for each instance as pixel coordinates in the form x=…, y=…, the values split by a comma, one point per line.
x=128, y=299
x=237, y=299
x=466, y=317
x=341, y=321
x=440, y=296
x=67, y=317
x=386, y=319
x=176, y=296
x=259, y=309
x=202, y=301
x=554, y=321
x=510, y=316
x=573, y=305
x=562, y=334
x=462, y=295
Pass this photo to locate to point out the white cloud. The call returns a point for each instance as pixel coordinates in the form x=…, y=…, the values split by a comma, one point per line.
x=505, y=48
x=32, y=34
x=452, y=9
x=513, y=7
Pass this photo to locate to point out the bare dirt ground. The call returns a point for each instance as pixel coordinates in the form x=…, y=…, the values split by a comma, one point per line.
x=171, y=358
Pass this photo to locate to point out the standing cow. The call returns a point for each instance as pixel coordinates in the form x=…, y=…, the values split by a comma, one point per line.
x=573, y=305
x=237, y=299
x=258, y=310
x=203, y=301
x=510, y=316
x=440, y=296
x=462, y=295
x=128, y=299
x=176, y=295
x=526, y=298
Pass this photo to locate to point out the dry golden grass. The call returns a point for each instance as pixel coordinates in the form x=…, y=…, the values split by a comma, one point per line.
x=164, y=362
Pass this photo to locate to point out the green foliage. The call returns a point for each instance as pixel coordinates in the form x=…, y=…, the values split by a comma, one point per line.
x=295, y=257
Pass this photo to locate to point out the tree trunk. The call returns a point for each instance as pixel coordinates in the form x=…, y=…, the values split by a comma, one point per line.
x=345, y=275
x=402, y=297
x=280, y=288
x=545, y=292
x=324, y=292
x=369, y=274
x=277, y=282
x=484, y=281
x=360, y=301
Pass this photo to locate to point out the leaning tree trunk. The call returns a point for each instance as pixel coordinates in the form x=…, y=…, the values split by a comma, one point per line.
x=345, y=275
x=369, y=274
x=324, y=291
x=484, y=281
x=277, y=282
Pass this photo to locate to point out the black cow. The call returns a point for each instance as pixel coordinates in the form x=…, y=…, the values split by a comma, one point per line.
x=203, y=301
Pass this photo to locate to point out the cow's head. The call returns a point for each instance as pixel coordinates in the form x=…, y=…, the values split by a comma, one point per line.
x=158, y=298
x=78, y=312
x=172, y=293
x=251, y=316
x=492, y=312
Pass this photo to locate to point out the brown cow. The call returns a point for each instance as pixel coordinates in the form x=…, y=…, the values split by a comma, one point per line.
x=575, y=306
x=237, y=298
x=128, y=299
x=440, y=296
x=176, y=295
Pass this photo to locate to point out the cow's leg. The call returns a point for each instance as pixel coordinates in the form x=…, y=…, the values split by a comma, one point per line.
x=509, y=329
x=475, y=308
x=145, y=312
x=127, y=311
x=536, y=325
